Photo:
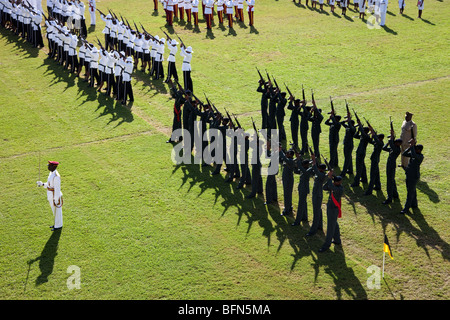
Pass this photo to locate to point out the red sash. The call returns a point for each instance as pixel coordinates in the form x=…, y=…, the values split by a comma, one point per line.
x=177, y=112
x=337, y=204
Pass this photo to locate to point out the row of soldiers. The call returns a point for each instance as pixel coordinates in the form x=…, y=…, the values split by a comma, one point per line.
x=148, y=50
x=71, y=13
x=377, y=7
x=22, y=19
x=102, y=67
x=224, y=8
x=188, y=108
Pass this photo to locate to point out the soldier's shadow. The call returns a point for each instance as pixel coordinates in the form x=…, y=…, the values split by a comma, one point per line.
x=22, y=45
x=47, y=257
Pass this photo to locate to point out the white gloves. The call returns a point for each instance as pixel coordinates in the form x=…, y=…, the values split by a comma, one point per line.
x=40, y=183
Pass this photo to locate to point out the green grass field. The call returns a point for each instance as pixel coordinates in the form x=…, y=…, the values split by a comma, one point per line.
x=140, y=227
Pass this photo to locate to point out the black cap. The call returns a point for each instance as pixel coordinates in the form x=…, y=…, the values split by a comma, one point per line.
x=337, y=178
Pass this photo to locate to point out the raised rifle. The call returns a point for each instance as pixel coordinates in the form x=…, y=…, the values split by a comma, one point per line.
x=332, y=107
x=356, y=116
x=303, y=94
x=289, y=91
x=101, y=12
x=268, y=77
x=260, y=75
x=181, y=41
x=231, y=120
x=276, y=84
x=99, y=43
x=167, y=36
x=348, y=111
x=254, y=127
x=327, y=164
x=137, y=29
x=237, y=121
x=392, y=136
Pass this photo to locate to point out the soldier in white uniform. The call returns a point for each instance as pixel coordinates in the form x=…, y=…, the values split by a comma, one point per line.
x=406, y=135
x=401, y=5
x=54, y=194
x=383, y=11
x=171, y=68
x=126, y=78
x=420, y=7
x=92, y=8
x=186, y=53
x=250, y=10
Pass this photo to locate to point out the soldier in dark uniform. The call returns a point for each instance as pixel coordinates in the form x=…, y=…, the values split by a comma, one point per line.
x=188, y=108
x=317, y=196
x=363, y=135
x=350, y=131
x=294, y=105
x=333, y=235
x=305, y=172
x=271, y=182
x=246, y=177
x=222, y=128
x=374, y=181
x=316, y=118
x=412, y=171
x=333, y=138
x=271, y=120
x=264, y=89
x=179, y=101
x=287, y=178
x=393, y=146
x=304, y=126
x=280, y=113
x=234, y=167
x=257, y=183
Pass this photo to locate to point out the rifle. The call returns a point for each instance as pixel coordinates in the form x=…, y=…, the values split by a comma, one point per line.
x=327, y=163
x=303, y=94
x=296, y=149
x=254, y=128
x=310, y=150
x=231, y=120
x=181, y=41
x=276, y=84
x=356, y=116
x=128, y=24
x=100, y=12
x=289, y=91
x=237, y=121
x=348, y=111
x=260, y=75
x=392, y=128
x=167, y=36
x=137, y=29
x=332, y=108
x=268, y=77
x=99, y=43
x=368, y=124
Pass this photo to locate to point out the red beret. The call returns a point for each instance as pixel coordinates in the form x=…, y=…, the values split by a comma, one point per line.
x=53, y=162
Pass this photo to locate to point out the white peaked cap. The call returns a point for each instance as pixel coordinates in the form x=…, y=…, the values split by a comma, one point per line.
x=189, y=49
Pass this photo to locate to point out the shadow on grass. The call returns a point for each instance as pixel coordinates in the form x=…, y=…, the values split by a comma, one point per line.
x=22, y=46
x=47, y=258
x=269, y=219
x=425, y=235
x=118, y=112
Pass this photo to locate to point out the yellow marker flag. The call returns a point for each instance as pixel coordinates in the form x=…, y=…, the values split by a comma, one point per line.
x=387, y=247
